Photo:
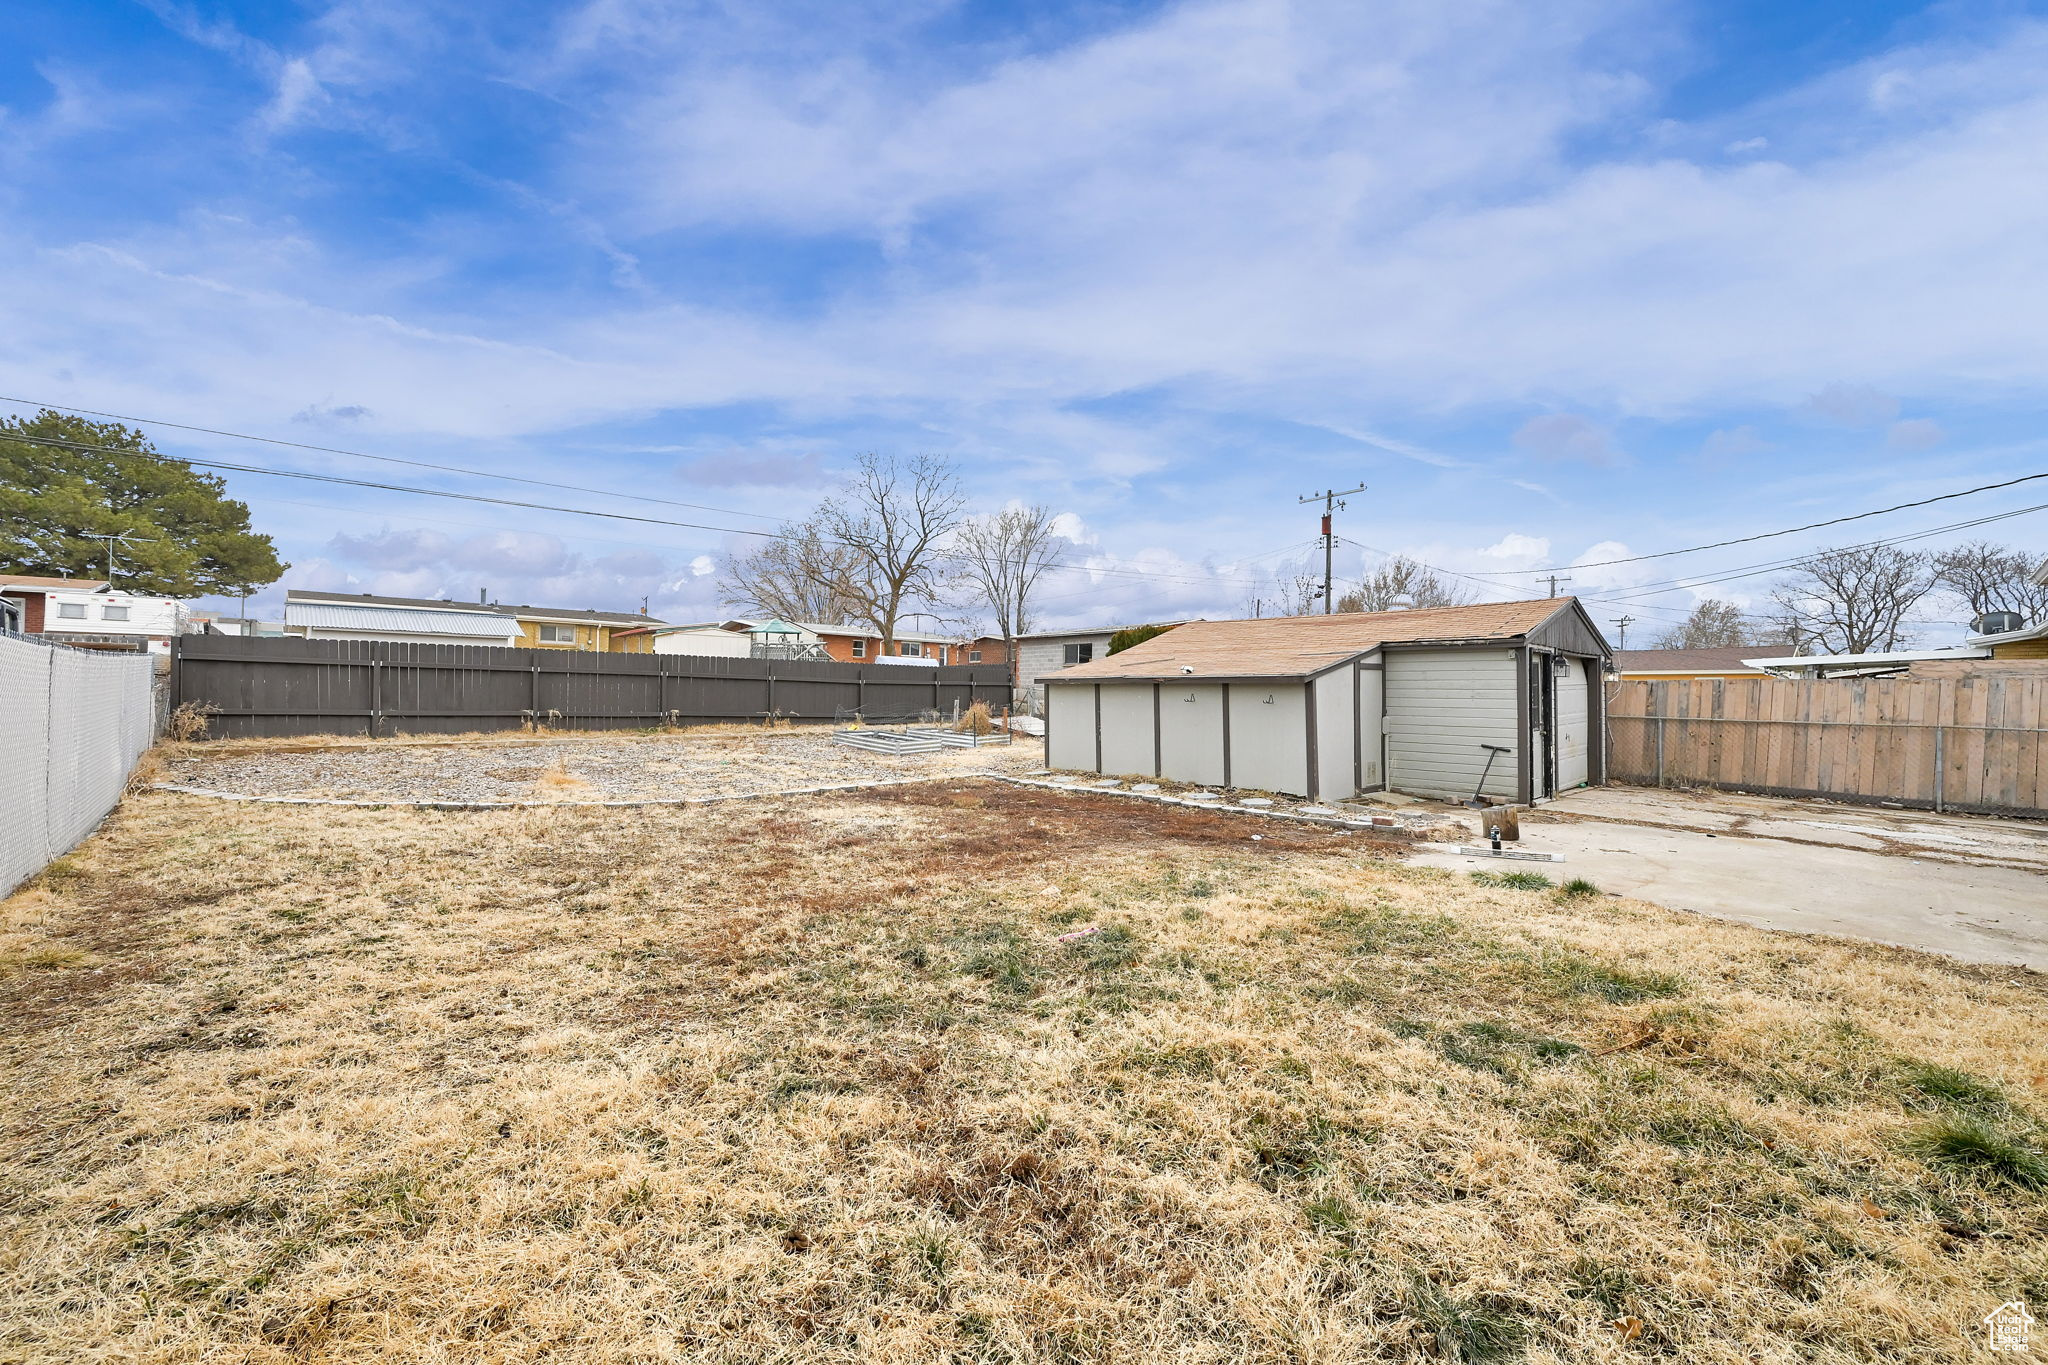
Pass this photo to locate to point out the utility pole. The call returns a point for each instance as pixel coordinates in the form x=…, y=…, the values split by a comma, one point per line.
x=1329, y=499
x=1622, y=626
x=1555, y=579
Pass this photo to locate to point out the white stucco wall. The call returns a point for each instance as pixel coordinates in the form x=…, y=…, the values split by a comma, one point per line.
x=1070, y=726
x=1269, y=737
x=1336, y=760
x=1191, y=732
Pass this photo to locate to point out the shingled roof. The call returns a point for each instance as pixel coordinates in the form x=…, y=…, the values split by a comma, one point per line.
x=1297, y=646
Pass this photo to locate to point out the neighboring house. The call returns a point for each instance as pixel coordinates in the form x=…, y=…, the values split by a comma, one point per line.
x=363, y=616
x=983, y=649
x=772, y=639
x=1434, y=702
x=1662, y=665
x=2026, y=640
x=87, y=613
x=402, y=620
x=1045, y=652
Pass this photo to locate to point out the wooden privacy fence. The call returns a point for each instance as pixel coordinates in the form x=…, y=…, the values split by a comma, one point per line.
x=1965, y=744
x=267, y=687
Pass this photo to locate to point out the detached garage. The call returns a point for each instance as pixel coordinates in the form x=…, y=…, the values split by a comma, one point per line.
x=1332, y=706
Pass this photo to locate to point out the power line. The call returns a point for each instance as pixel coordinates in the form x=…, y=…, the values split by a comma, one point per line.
x=1775, y=566
x=59, y=444
x=1790, y=530
x=387, y=459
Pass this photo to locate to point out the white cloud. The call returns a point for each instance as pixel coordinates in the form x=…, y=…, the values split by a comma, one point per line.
x=1516, y=550
x=702, y=565
x=1363, y=210
x=297, y=88
x=1069, y=526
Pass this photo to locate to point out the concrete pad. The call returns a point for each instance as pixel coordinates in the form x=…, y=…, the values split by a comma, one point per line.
x=1768, y=867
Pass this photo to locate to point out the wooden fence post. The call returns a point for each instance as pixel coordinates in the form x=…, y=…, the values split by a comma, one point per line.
x=1938, y=774
x=1657, y=693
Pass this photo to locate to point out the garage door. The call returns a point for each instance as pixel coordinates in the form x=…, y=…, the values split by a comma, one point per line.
x=1443, y=707
x=1574, y=726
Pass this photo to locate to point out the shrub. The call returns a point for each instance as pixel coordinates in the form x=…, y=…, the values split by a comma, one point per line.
x=1135, y=635
x=975, y=721
x=189, y=720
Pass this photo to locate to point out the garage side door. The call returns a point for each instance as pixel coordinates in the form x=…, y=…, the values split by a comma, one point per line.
x=1442, y=706
x=1573, y=727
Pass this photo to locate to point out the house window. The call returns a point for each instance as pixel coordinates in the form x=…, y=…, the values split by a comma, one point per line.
x=910, y=649
x=1079, y=654
x=113, y=613
x=860, y=649
x=72, y=610
x=974, y=656
x=558, y=635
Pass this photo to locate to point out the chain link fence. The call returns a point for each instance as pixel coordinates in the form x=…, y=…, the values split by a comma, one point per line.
x=1973, y=747
x=73, y=722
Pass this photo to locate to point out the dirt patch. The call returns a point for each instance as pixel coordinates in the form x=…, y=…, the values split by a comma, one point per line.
x=567, y=769
x=1104, y=820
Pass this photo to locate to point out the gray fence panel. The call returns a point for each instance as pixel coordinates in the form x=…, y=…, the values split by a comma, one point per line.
x=72, y=724
x=284, y=687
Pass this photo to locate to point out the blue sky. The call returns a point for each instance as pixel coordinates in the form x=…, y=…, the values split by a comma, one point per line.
x=1561, y=283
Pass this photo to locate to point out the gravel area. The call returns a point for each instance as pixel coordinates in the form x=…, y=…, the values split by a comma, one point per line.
x=1428, y=819
x=571, y=769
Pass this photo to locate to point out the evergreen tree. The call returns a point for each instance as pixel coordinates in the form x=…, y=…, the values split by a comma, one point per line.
x=65, y=479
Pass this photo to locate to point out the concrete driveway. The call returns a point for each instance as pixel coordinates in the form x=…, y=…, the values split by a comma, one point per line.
x=1973, y=887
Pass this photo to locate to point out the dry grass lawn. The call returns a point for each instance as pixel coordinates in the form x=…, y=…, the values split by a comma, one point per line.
x=817, y=1079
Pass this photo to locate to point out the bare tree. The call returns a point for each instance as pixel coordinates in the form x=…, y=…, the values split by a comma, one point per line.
x=1003, y=555
x=1402, y=581
x=890, y=520
x=1287, y=591
x=1715, y=623
x=1986, y=577
x=796, y=576
x=1855, y=600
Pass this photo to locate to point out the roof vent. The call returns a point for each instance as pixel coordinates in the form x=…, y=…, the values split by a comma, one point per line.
x=1998, y=622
